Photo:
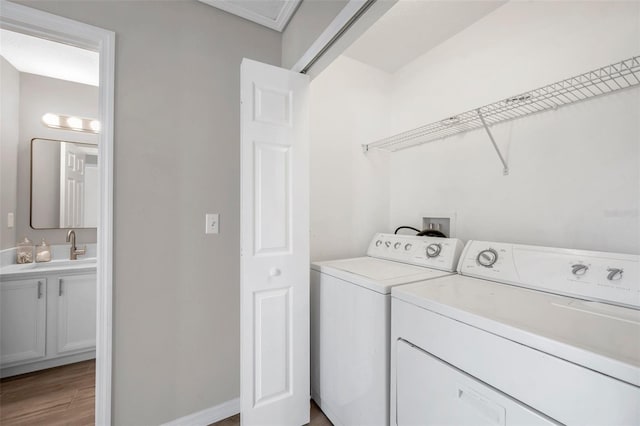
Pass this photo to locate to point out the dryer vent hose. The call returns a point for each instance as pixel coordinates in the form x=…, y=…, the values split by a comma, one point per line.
x=424, y=232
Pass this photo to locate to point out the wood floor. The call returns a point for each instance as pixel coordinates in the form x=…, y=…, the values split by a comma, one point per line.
x=65, y=396
x=317, y=418
x=57, y=396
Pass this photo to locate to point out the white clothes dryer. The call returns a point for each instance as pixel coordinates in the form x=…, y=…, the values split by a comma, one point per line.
x=350, y=322
x=522, y=335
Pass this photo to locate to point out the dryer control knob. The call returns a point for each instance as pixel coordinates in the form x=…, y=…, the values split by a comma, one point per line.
x=579, y=269
x=408, y=246
x=387, y=244
x=433, y=250
x=397, y=245
x=378, y=243
x=614, y=274
x=487, y=258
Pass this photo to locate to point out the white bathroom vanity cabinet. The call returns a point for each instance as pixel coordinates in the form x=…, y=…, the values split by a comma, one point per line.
x=47, y=318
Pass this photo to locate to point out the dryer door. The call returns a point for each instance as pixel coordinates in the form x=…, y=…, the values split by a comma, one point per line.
x=432, y=392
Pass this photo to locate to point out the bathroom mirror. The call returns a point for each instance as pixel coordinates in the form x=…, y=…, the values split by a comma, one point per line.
x=64, y=184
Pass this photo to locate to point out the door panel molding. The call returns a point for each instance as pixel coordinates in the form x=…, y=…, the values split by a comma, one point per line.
x=273, y=327
x=272, y=198
x=272, y=106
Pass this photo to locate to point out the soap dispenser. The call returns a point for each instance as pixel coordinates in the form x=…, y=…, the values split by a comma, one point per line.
x=43, y=252
x=24, y=251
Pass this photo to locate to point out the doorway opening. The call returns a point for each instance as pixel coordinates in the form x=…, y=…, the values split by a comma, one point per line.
x=61, y=157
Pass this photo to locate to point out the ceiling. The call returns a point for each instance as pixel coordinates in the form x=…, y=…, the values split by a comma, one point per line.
x=274, y=14
x=410, y=29
x=43, y=57
x=413, y=27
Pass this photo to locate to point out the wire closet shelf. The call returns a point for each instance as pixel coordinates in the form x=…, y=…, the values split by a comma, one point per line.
x=608, y=79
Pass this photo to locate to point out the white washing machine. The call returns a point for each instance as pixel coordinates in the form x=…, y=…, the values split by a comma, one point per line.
x=523, y=335
x=350, y=322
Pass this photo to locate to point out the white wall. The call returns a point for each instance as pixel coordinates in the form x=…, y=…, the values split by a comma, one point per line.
x=349, y=190
x=38, y=96
x=575, y=173
x=574, y=179
x=9, y=134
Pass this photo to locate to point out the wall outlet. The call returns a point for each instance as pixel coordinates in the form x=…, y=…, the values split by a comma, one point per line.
x=444, y=222
x=212, y=223
x=10, y=221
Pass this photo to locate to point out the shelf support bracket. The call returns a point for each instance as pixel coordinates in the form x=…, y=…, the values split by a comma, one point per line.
x=365, y=148
x=505, y=171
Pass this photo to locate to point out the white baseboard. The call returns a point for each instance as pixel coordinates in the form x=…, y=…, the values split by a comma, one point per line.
x=44, y=364
x=208, y=415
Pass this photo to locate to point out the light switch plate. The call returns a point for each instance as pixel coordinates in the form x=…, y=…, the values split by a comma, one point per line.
x=10, y=221
x=212, y=223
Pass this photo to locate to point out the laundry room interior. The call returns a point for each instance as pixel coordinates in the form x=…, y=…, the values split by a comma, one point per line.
x=399, y=143
x=573, y=172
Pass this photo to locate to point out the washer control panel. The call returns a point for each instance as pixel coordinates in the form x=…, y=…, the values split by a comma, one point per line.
x=437, y=253
x=599, y=276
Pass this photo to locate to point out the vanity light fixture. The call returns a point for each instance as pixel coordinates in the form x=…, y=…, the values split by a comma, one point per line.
x=66, y=122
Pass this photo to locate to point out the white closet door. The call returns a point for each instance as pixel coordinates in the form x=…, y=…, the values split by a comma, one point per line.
x=274, y=293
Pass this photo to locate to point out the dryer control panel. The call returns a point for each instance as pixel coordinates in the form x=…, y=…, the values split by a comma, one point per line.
x=437, y=253
x=591, y=275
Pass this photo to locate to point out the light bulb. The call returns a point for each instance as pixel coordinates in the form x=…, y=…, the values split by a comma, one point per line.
x=95, y=125
x=52, y=120
x=74, y=123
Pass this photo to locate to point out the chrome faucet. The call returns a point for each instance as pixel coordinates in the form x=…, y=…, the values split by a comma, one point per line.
x=74, y=251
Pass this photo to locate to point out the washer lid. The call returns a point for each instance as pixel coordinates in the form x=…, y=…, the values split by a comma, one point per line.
x=376, y=274
x=599, y=336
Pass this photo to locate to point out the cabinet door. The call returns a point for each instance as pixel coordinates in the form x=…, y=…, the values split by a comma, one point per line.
x=22, y=320
x=76, y=313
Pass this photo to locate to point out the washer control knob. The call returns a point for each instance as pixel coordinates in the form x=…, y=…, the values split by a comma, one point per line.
x=614, y=274
x=433, y=250
x=397, y=245
x=579, y=269
x=387, y=244
x=487, y=257
x=408, y=246
x=378, y=243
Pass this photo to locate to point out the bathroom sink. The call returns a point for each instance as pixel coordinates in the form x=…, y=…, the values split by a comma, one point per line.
x=62, y=263
x=47, y=266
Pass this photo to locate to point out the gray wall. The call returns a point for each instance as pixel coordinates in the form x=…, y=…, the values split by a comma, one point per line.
x=38, y=96
x=9, y=131
x=309, y=21
x=177, y=156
